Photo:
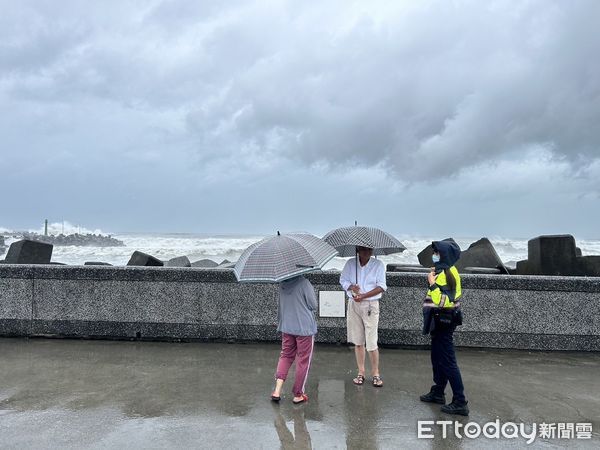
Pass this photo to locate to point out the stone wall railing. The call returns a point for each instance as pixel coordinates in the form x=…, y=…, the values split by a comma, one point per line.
x=522, y=312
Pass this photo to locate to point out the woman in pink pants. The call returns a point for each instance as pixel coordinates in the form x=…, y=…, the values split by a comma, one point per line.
x=298, y=326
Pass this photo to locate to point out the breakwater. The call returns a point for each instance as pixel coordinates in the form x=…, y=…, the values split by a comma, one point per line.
x=76, y=239
x=520, y=312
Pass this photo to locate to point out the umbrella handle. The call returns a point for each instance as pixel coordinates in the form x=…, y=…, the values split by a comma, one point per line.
x=356, y=255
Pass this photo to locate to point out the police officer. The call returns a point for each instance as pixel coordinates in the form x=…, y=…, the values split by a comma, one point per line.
x=441, y=315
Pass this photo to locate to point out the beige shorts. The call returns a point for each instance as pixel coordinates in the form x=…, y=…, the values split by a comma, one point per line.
x=362, y=327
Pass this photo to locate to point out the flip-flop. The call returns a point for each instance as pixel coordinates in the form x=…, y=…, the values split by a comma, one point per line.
x=359, y=380
x=377, y=381
x=275, y=398
x=304, y=399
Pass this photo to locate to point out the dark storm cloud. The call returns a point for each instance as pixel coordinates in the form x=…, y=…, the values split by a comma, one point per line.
x=435, y=88
x=442, y=85
x=223, y=97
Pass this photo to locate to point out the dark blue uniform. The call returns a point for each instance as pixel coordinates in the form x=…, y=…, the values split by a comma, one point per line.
x=445, y=368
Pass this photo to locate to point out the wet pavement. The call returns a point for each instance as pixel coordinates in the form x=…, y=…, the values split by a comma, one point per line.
x=107, y=394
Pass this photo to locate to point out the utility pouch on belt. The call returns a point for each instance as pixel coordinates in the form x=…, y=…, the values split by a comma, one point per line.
x=444, y=317
x=458, y=316
x=447, y=317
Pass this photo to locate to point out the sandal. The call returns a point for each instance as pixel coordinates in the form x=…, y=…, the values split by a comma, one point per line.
x=377, y=381
x=359, y=380
x=304, y=399
x=275, y=398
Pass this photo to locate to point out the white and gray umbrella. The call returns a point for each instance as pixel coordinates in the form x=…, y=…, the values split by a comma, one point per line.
x=346, y=239
x=277, y=258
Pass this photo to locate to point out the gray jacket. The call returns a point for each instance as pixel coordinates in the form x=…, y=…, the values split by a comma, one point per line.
x=297, y=304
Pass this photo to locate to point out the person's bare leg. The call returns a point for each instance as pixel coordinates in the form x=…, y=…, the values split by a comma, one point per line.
x=359, y=352
x=278, y=387
x=374, y=357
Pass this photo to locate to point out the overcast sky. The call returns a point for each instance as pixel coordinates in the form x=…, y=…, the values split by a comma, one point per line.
x=467, y=118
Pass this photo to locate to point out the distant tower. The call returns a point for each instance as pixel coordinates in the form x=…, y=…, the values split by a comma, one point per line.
x=46, y=227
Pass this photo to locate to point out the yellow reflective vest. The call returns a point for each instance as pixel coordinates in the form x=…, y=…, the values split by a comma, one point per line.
x=436, y=294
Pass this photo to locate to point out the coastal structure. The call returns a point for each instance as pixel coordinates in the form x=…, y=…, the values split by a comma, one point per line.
x=552, y=255
x=156, y=303
x=76, y=239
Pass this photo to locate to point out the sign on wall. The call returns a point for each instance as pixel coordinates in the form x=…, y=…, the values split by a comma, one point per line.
x=332, y=304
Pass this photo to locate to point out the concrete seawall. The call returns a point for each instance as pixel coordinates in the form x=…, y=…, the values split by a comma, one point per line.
x=521, y=312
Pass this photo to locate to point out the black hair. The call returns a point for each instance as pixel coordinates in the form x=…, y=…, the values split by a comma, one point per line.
x=450, y=280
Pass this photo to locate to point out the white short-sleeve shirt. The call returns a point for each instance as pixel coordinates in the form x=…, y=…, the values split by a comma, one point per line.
x=370, y=276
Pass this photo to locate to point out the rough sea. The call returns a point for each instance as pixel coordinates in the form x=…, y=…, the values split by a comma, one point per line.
x=229, y=247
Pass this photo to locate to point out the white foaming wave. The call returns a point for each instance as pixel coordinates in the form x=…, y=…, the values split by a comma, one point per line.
x=207, y=245
x=588, y=247
x=191, y=246
x=65, y=227
x=163, y=247
x=218, y=248
x=78, y=255
x=510, y=250
x=7, y=241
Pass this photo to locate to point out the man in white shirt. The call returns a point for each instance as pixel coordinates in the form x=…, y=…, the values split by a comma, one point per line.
x=364, y=286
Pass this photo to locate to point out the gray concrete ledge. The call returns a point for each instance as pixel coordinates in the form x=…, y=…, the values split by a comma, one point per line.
x=254, y=333
x=192, y=274
x=521, y=312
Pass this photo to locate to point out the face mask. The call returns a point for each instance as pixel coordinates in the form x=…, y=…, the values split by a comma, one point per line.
x=436, y=258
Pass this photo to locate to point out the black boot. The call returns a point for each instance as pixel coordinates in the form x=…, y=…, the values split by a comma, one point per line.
x=433, y=397
x=456, y=408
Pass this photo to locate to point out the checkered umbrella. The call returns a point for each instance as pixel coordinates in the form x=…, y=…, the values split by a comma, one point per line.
x=277, y=258
x=346, y=239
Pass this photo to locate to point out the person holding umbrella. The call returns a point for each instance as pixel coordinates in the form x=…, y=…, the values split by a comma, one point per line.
x=363, y=279
x=298, y=326
x=283, y=259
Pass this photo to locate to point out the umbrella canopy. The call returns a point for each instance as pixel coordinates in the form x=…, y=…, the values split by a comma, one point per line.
x=346, y=239
x=277, y=258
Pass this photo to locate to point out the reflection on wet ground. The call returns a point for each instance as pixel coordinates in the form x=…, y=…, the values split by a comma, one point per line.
x=103, y=394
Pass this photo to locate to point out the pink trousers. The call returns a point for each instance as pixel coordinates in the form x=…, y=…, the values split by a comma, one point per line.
x=300, y=349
